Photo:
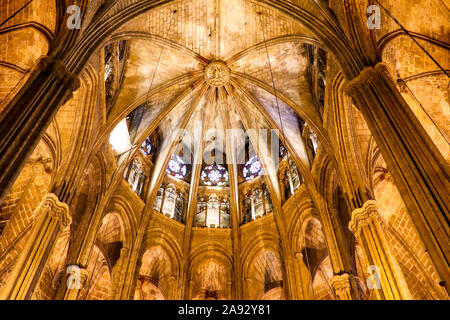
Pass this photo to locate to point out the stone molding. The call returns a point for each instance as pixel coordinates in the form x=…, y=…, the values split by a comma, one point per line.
x=363, y=216
x=342, y=284
x=368, y=75
x=55, y=209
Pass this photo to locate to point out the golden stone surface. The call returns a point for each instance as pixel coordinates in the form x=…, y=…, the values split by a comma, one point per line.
x=271, y=70
x=217, y=74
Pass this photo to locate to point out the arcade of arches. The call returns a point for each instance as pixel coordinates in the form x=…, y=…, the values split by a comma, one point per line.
x=103, y=197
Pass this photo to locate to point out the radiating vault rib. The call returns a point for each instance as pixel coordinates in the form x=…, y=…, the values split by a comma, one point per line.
x=271, y=179
x=273, y=42
x=307, y=112
x=234, y=191
x=130, y=35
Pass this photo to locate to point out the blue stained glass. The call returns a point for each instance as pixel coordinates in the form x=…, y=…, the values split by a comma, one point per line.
x=177, y=167
x=252, y=169
x=146, y=146
x=215, y=175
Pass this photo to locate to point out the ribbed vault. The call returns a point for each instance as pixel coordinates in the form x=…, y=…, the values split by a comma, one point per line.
x=222, y=76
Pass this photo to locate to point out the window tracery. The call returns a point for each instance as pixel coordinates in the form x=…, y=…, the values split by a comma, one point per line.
x=291, y=179
x=311, y=142
x=215, y=175
x=252, y=169
x=177, y=168
x=213, y=212
x=135, y=176
x=170, y=201
x=283, y=151
x=113, y=59
x=257, y=203
x=146, y=147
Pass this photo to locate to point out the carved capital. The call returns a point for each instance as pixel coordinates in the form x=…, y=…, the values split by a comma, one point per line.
x=363, y=216
x=56, y=209
x=343, y=285
x=341, y=282
x=368, y=75
x=58, y=69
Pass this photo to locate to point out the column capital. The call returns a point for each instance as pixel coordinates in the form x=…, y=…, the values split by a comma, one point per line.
x=341, y=283
x=344, y=285
x=363, y=216
x=59, y=70
x=56, y=209
x=368, y=75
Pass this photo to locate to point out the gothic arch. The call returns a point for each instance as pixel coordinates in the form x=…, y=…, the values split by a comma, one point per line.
x=165, y=239
x=326, y=29
x=263, y=271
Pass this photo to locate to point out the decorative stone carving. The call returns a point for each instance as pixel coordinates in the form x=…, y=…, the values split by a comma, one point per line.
x=217, y=74
x=368, y=75
x=50, y=217
x=363, y=216
x=54, y=208
x=344, y=286
x=366, y=226
x=59, y=70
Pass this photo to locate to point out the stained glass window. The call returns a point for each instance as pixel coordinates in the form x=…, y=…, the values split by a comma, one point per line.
x=177, y=167
x=252, y=168
x=215, y=175
x=146, y=146
x=283, y=152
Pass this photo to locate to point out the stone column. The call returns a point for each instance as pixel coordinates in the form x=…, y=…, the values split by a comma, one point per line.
x=366, y=225
x=345, y=287
x=138, y=288
x=50, y=217
x=190, y=289
x=27, y=116
x=172, y=294
x=305, y=277
x=124, y=274
x=229, y=291
x=420, y=171
x=121, y=272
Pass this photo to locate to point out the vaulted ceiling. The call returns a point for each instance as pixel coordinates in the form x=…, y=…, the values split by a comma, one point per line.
x=225, y=64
